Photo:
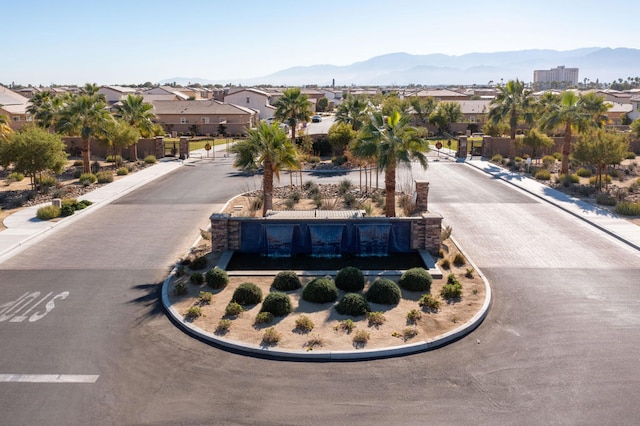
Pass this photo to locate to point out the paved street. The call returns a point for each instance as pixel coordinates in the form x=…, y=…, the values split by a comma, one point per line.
x=560, y=345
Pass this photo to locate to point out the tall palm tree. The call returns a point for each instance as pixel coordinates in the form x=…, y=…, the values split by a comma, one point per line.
x=45, y=108
x=138, y=114
x=352, y=111
x=86, y=116
x=293, y=108
x=512, y=104
x=267, y=146
x=391, y=140
x=594, y=105
x=568, y=114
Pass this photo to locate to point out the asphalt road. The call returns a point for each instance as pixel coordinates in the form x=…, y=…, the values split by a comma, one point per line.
x=560, y=346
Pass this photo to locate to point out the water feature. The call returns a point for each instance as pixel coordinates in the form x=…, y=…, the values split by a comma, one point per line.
x=373, y=239
x=279, y=239
x=326, y=239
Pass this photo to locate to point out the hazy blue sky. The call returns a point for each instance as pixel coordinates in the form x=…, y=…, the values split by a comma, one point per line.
x=134, y=41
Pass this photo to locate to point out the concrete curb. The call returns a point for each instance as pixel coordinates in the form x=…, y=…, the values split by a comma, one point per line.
x=350, y=355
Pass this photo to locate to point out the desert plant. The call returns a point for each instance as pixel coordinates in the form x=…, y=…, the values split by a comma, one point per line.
x=497, y=159
x=104, y=177
x=313, y=343
x=349, y=279
x=548, y=161
x=445, y=234
x=345, y=325
x=122, y=171
x=279, y=304
x=469, y=273
x=247, y=294
x=349, y=201
x=361, y=337
x=205, y=297
x=628, y=208
x=67, y=210
x=557, y=156
x=48, y=212
x=414, y=316
x=224, y=325
x=320, y=290
x=344, y=186
x=384, y=291
x=376, y=319
x=304, y=324
x=405, y=202
x=87, y=179
x=416, y=279
x=271, y=336
x=606, y=200
x=452, y=290
x=150, y=159
x=429, y=303
x=180, y=289
x=198, y=263
x=286, y=281
x=217, y=278
x=196, y=278
x=568, y=179
x=15, y=177
x=352, y=304
x=459, y=260
x=630, y=155
x=584, y=172
x=543, y=174
x=233, y=309
x=264, y=318
x=193, y=312
x=409, y=333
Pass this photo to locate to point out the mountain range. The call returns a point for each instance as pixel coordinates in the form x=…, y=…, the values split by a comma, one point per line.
x=595, y=63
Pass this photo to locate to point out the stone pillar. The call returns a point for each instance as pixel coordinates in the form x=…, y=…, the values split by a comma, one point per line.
x=219, y=232
x=432, y=232
x=422, y=195
x=462, y=147
x=184, y=147
x=159, y=147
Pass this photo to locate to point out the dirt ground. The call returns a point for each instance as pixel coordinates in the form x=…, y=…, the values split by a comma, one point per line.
x=324, y=335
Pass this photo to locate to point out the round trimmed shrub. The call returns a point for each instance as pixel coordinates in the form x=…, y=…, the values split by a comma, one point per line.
x=286, y=281
x=48, y=212
x=350, y=279
x=279, y=304
x=87, y=179
x=320, y=290
x=216, y=278
x=543, y=174
x=67, y=210
x=198, y=263
x=416, y=279
x=150, y=159
x=353, y=304
x=104, y=177
x=122, y=171
x=384, y=291
x=247, y=294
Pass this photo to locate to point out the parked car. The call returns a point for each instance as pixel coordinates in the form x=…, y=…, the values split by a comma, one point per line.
x=316, y=119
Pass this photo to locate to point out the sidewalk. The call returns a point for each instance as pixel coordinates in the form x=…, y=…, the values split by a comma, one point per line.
x=601, y=218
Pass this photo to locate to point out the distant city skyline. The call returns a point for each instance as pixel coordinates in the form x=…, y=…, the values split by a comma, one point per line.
x=117, y=42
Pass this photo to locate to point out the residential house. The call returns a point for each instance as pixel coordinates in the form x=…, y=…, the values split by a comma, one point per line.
x=440, y=95
x=254, y=99
x=166, y=90
x=14, y=106
x=115, y=94
x=634, y=114
x=204, y=117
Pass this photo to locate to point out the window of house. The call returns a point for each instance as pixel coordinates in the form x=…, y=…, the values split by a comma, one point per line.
x=15, y=118
x=204, y=120
x=183, y=120
x=248, y=100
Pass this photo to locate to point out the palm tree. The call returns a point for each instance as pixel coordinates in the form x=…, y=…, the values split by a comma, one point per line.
x=45, y=108
x=266, y=146
x=391, y=141
x=86, y=116
x=569, y=115
x=138, y=114
x=352, y=111
x=293, y=108
x=512, y=104
x=594, y=105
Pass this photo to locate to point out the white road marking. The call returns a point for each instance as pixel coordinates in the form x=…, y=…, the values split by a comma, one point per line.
x=48, y=378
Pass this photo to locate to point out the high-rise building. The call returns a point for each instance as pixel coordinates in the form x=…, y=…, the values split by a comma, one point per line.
x=559, y=77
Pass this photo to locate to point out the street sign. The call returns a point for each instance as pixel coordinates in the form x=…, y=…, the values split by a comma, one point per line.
x=439, y=145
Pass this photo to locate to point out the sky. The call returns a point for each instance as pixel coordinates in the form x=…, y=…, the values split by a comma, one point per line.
x=137, y=41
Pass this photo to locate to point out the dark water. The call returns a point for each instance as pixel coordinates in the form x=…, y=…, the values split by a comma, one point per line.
x=397, y=261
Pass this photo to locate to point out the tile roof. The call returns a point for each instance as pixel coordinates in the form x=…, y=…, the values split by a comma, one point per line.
x=206, y=107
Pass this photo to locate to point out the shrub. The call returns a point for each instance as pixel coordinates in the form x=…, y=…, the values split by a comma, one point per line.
x=543, y=175
x=344, y=186
x=67, y=210
x=87, y=179
x=15, y=177
x=416, y=279
x=196, y=278
x=150, y=159
x=350, y=279
x=606, y=200
x=339, y=160
x=548, y=161
x=384, y=291
x=279, y=304
x=180, y=289
x=198, y=263
x=429, y=303
x=469, y=273
x=445, y=234
x=264, y=318
x=320, y=290
x=353, y=304
x=376, y=319
x=46, y=181
x=217, y=278
x=104, y=177
x=584, y=172
x=122, y=171
x=605, y=179
x=304, y=324
x=194, y=312
x=78, y=163
x=205, y=297
x=48, y=212
x=271, y=336
x=114, y=159
x=223, y=326
x=567, y=179
x=345, y=325
x=180, y=271
x=459, y=260
x=286, y=281
x=247, y=294
x=497, y=158
x=414, y=316
x=630, y=155
x=349, y=200
x=361, y=337
x=233, y=309
x=628, y=208
x=313, y=342
x=452, y=289
x=557, y=156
